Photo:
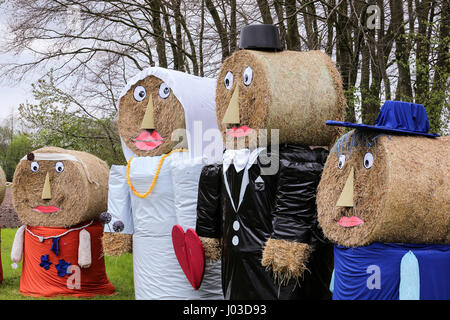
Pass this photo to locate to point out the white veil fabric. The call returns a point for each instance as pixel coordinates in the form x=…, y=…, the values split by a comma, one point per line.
x=157, y=273
x=197, y=96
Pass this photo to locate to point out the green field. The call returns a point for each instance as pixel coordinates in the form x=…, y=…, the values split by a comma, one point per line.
x=119, y=269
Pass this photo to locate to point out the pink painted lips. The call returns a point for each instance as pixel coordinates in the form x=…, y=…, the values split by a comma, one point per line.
x=348, y=222
x=238, y=132
x=147, y=141
x=44, y=209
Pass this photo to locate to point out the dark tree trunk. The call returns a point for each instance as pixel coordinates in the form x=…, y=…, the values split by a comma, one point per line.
x=233, y=27
x=343, y=58
x=159, y=33
x=441, y=72
x=422, y=52
x=179, y=41
x=293, y=36
x=403, y=91
x=278, y=5
x=264, y=8
x=222, y=32
x=200, y=46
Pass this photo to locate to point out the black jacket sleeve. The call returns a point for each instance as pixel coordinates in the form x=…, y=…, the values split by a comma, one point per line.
x=209, y=217
x=295, y=212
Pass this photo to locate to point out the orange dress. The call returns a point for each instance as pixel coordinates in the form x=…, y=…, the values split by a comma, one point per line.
x=45, y=270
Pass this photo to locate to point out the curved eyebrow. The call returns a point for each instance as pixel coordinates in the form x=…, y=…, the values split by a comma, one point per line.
x=52, y=157
x=62, y=157
x=359, y=139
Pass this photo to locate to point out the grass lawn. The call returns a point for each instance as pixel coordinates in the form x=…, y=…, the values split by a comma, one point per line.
x=119, y=270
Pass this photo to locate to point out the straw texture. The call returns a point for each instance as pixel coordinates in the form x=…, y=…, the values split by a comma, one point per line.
x=115, y=244
x=79, y=199
x=168, y=116
x=2, y=185
x=403, y=197
x=287, y=259
x=212, y=247
x=295, y=92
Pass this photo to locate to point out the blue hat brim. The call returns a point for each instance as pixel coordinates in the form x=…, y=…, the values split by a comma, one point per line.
x=378, y=128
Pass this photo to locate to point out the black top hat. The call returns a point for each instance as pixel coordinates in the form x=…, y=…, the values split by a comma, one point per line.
x=260, y=37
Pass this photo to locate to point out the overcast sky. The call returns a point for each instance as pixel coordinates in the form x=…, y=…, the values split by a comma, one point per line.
x=11, y=95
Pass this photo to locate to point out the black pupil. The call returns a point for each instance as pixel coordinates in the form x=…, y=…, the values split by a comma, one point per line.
x=340, y=163
x=35, y=168
x=166, y=90
x=367, y=163
x=141, y=94
x=227, y=82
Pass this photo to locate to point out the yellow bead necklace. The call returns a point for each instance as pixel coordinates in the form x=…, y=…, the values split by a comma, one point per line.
x=142, y=196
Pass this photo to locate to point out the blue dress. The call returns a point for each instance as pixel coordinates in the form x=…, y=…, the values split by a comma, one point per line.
x=389, y=271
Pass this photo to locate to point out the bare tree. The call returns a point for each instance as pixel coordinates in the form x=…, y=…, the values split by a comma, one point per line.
x=405, y=55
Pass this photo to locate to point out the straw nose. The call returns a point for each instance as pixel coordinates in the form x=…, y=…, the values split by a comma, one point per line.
x=232, y=114
x=346, y=197
x=46, y=191
x=148, y=122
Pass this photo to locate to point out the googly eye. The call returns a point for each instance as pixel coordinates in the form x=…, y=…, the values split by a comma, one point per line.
x=368, y=160
x=164, y=91
x=139, y=93
x=248, y=76
x=229, y=78
x=35, y=166
x=341, y=162
x=59, y=167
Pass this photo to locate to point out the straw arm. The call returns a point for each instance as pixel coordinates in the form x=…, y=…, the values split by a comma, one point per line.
x=212, y=247
x=287, y=259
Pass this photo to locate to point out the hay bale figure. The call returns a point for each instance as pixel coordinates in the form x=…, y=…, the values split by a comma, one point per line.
x=294, y=92
x=59, y=195
x=262, y=222
x=153, y=199
x=2, y=196
x=384, y=200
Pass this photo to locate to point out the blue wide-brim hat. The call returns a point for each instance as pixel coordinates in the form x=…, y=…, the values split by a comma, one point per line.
x=396, y=117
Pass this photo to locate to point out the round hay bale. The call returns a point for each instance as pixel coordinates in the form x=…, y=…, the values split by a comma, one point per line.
x=168, y=115
x=115, y=244
x=2, y=185
x=80, y=191
x=295, y=92
x=403, y=197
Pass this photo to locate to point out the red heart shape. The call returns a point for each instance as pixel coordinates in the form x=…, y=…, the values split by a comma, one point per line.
x=190, y=254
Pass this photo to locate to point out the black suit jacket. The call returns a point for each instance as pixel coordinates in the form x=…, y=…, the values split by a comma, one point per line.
x=277, y=206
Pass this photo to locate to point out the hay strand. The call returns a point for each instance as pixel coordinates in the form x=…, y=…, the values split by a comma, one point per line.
x=286, y=259
x=402, y=198
x=115, y=244
x=212, y=247
x=80, y=191
x=3, y=184
x=295, y=92
x=168, y=115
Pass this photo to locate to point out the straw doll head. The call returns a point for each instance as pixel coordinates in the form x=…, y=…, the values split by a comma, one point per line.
x=54, y=187
x=382, y=187
x=261, y=88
